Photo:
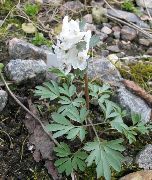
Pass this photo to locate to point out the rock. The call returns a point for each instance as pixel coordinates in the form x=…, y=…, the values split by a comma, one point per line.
x=128, y=33
x=22, y=70
x=149, y=51
x=103, y=70
x=139, y=175
x=72, y=5
x=19, y=49
x=133, y=103
x=90, y=27
x=145, y=42
x=104, y=53
x=98, y=14
x=88, y=18
x=106, y=30
x=3, y=99
x=107, y=25
x=144, y=3
x=103, y=36
x=113, y=48
x=144, y=158
x=117, y=35
x=128, y=16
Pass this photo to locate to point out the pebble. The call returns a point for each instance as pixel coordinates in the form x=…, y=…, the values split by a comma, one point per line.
x=106, y=30
x=128, y=33
x=3, y=99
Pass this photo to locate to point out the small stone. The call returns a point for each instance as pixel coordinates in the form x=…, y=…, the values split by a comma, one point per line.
x=19, y=49
x=106, y=30
x=149, y=51
x=98, y=14
x=116, y=35
x=139, y=175
x=88, y=18
x=144, y=3
x=104, y=53
x=113, y=58
x=72, y=5
x=26, y=70
x=128, y=33
x=144, y=158
x=103, y=70
x=133, y=103
x=113, y=48
x=3, y=99
x=116, y=28
x=90, y=27
x=107, y=25
x=145, y=42
x=103, y=36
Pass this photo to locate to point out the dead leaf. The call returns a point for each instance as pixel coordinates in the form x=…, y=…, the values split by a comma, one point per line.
x=43, y=146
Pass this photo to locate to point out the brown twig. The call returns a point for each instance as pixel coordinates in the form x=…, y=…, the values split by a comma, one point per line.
x=26, y=109
x=86, y=90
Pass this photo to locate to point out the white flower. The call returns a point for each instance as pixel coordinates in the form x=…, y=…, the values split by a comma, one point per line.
x=68, y=55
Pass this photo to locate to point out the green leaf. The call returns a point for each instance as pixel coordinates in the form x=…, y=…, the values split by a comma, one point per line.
x=72, y=90
x=82, y=24
x=81, y=45
x=94, y=41
x=1, y=67
x=59, y=118
x=48, y=90
x=69, y=162
x=135, y=118
x=104, y=156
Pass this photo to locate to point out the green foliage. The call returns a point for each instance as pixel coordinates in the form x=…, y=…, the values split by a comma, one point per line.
x=1, y=67
x=105, y=154
x=70, y=123
x=128, y=5
x=94, y=41
x=48, y=91
x=39, y=40
x=68, y=162
x=31, y=9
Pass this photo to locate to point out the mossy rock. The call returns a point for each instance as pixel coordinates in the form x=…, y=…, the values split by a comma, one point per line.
x=141, y=73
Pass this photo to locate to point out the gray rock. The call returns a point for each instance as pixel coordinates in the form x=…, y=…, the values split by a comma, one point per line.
x=72, y=5
x=145, y=42
x=3, y=99
x=144, y=3
x=149, y=51
x=117, y=34
x=19, y=49
x=113, y=48
x=133, y=103
x=26, y=70
x=128, y=33
x=88, y=18
x=90, y=27
x=131, y=17
x=144, y=158
x=103, y=70
x=103, y=36
x=106, y=30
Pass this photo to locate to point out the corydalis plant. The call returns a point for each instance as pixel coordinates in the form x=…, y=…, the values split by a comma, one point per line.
x=72, y=120
x=72, y=46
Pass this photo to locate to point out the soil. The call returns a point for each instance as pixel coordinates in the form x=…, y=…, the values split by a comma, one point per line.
x=16, y=160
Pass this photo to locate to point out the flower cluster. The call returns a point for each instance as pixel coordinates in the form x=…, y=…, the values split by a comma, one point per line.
x=68, y=54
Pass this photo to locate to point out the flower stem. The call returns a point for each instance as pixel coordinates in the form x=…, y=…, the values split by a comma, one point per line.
x=86, y=90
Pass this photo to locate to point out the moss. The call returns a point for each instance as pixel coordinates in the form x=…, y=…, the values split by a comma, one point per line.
x=141, y=73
